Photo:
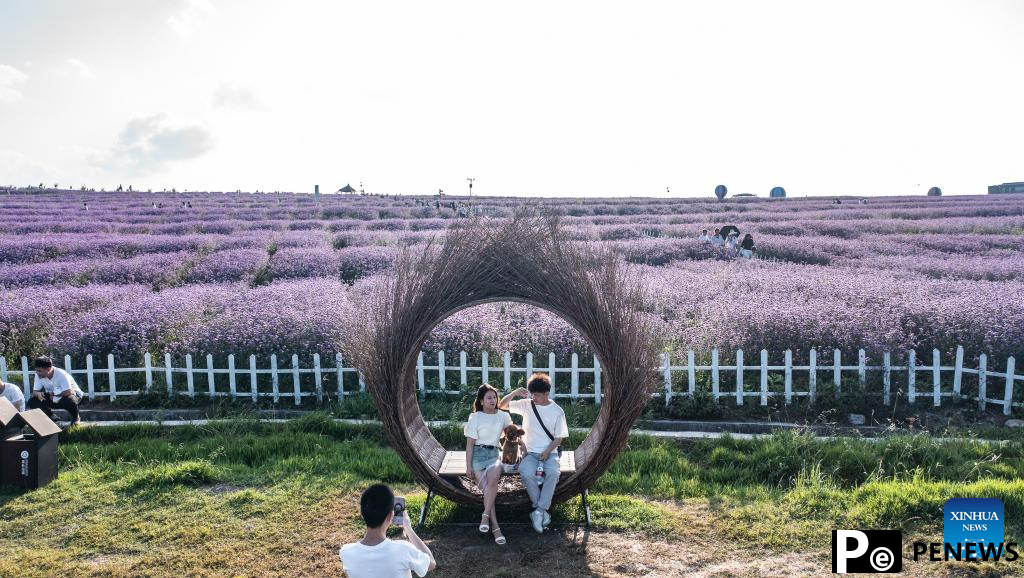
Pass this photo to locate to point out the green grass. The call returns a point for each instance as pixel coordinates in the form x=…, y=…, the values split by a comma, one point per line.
x=245, y=496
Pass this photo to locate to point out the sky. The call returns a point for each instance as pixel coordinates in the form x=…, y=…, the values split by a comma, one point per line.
x=529, y=98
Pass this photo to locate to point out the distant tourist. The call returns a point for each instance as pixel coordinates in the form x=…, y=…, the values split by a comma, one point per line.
x=717, y=239
x=13, y=395
x=377, y=556
x=747, y=247
x=704, y=237
x=55, y=389
x=732, y=243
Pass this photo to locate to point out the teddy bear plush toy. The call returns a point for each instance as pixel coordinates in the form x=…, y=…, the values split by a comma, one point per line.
x=510, y=448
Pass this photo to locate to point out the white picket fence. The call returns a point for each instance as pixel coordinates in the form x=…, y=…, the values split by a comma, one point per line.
x=322, y=374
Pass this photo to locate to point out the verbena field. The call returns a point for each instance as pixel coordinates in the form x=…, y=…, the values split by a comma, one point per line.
x=266, y=273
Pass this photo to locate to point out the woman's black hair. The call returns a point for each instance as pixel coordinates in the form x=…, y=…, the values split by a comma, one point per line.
x=481, y=392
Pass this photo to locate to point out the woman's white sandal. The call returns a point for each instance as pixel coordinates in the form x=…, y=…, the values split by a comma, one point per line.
x=484, y=525
x=499, y=539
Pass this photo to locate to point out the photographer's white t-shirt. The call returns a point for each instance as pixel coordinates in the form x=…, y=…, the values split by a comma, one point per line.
x=389, y=559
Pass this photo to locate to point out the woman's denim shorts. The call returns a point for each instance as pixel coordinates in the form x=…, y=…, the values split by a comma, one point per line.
x=484, y=457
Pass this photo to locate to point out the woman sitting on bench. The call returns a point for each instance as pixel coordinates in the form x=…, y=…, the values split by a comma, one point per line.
x=483, y=437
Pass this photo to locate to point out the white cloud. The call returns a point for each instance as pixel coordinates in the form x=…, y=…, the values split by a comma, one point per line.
x=75, y=67
x=191, y=17
x=148, y=144
x=236, y=97
x=10, y=79
x=19, y=169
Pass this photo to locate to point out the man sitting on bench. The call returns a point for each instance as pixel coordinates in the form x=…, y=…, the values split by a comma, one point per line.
x=545, y=427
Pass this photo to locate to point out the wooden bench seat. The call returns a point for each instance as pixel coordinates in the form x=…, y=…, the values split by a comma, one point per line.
x=454, y=464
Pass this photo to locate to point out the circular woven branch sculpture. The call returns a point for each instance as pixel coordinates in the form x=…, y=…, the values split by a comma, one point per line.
x=524, y=259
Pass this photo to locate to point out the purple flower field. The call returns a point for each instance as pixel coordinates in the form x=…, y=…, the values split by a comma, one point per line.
x=263, y=273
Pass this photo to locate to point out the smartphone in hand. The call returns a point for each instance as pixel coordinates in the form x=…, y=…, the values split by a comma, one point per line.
x=400, y=517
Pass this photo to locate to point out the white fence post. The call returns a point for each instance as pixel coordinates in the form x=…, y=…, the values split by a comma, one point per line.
x=67, y=363
x=739, y=377
x=862, y=373
x=667, y=373
x=296, y=381
x=3, y=369
x=421, y=378
x=529, y=364
x=597, y=381
x=232, y=379
x=274, y=381
x=149, y=370
x=958, y=369
x=254, y=381
x=508, y=371
x=812, y=375
x=911, y=375
x=1008, y=392
x=789, y=376
x=886, y=378
x=691, y=374
x=188, y=376
x=339, y=365
x=485, y=367
x=25, y=377
x=112, y=376
x=211, y=380
x=362, y=383
x=440, y=371
x=318, y=378
x=982, y=381
x=936, y=381
x=462, y=369
x=764, y=377
x=714, y=374
x=168, y=374
x=551, y=372
x=837, y=371
x=574, y=377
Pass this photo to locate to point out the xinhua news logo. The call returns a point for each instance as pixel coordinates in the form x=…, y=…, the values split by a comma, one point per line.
x=973, y=531
x=867, y=551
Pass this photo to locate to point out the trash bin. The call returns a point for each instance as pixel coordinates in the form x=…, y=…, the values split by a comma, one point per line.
x=28, y=454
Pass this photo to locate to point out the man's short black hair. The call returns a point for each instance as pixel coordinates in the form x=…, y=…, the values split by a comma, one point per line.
x=42, y=362
x=375, y=505
x=539, y=383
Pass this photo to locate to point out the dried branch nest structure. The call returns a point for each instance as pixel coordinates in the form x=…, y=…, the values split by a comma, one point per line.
x=524, y=259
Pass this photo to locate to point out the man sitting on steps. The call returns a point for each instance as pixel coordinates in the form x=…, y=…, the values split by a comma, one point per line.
x=545, y=427
x=55, y=389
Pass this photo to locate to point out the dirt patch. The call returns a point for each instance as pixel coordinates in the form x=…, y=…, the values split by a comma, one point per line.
x=222, y=489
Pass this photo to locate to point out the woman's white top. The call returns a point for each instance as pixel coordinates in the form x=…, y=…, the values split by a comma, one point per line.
x=486, y=428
